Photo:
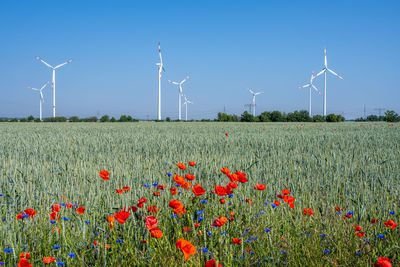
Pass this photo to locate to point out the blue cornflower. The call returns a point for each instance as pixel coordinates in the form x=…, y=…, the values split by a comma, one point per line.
x=87, y=221
x=266, y=203
x=267, y=230
x=229, y=204
x=120, y=241
x=71, y=254
x=8, y=250
x=2, y=263
x=242, y=257
x=1, y=195
x=392, y=212
x=350, y=212
x=322, y=235
x=155, y=184
x=169, y=174
x=308, y=234
x=66, y=219
x=326, y=251
x=203, y=201
x=283, y=252
x=273, y=205
x=209, y=233
x=173, y=215
x=4, y=219
x=381, y=236
x=204, y=250
x=223, y=233
x=56, y=247
x=262, y=212
x=254, y=237
x=63, y=204
x=358, y=253
x=60, y=263
x=338, y=213
x=25, y=215
x=248, y=241
x=247, y=229
x=252, y=252
x=230, y=195
x=258, y=216
x=199, y=212
x=200, y=218
x=52, y=222
x=146, y=185
x=178, y=185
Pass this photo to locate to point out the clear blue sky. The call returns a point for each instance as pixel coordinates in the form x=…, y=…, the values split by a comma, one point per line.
x=226, y=46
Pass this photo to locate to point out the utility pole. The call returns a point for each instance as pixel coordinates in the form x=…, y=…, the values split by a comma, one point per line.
x=380, y=110
x=365, y=112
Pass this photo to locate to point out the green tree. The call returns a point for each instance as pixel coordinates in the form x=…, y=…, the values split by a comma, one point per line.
x=167, y=119
x=331, y=118
x=113, y=119
x=74, y=119
x=31, y=118
x=265, y=116
x=277, y=116
x=318, y=118
x=105, y=118
x=391, y=116
x=247, y=117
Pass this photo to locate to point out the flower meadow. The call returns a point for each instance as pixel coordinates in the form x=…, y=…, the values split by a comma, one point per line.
x=200, y=194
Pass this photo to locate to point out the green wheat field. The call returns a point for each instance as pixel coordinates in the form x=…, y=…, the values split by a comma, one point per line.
x=354, y=167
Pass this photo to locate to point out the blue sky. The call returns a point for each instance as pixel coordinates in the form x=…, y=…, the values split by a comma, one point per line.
x=225, y=46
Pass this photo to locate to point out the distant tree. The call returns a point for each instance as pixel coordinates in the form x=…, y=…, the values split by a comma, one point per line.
x=305, y=116
x=247, y=117
x=113, y=119
x=123, y=118
x=372, y=118
x=167, y=119
x=13, y=120
x=23, y=120
x=74, y=119
x=340, y=118
x=277, y=116
x=105, y=118
x=318, y=118
x=31, y=118
x=129, y=118
x=391, y=116
x=265, y=116
x=92, y=119
x=331, y=118
x=55, y=119
x=37, y=120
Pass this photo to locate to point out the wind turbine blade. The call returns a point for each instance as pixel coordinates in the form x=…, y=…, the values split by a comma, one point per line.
x=334, y=73
x=259, y=93
x=44, y=86
x=315, y=88
x=159, y=52
x=322, y=71
x=33, y=88
x=304, y=86
x=326, y=61
x=44, y=62
x=69, y=61
x=173, y=82
x=184, y=80
x=251, y=91
x=163, y=68
x=41, y=96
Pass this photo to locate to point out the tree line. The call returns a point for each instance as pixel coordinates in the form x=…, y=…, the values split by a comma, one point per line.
x=390, y=116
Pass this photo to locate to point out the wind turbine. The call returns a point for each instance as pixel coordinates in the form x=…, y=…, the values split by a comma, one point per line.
x=310, y=85
x=54, y=80
x=324, y=71
x=160, y=69
x=186, y=102
x=41, y=97
x=253, y=104
x=180, y=94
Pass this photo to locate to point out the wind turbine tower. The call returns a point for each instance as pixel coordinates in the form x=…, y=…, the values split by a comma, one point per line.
x=41, y=98
x=253, y=103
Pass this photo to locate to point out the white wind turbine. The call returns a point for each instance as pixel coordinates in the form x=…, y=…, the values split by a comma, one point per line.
x=310, y=85
x=160, y=69
x=54, y=80
x=41, y=98
x=180, y=94
x=186, y=102
x=324, y=71
x=253, y=104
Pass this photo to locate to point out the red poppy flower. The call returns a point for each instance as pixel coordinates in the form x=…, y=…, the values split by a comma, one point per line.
x=20, y=216
x=177, y=206
x=226, y=134
x=190, y=177
x=142, y=200
x=198, y=190
x=156, y=232
x=186, y=229
x=173, y=190
x=391, y=224
x=337, y=209
x=236, y=241
x=140, y=205
x=151, y=222
x=23, y=262
x=192, y=163
x=69, y=205
x=48, y=260
x=196, y=225
x=260, y=186
x=56, y=208
x=110, y=220
x=181, y=166
x=156, y=194
x=132, y=208
x=360, y=233
x=308, y=212
x=186, y=247
x=222, y=201
x=161, y=187
x=277, y=202
x=220, y=221
x=286, y=191
x=383, y=262
x=357, y=227
x=232, y=185
x=153, y=209
x=26, y=255
x=225, y=170
x=30, y=212
x=186, y=185
x=80, y=210
x=212, y=263
x=54, y=215
x=121, y=216
x=374, y=221
x=220, y=190
x=104, y=175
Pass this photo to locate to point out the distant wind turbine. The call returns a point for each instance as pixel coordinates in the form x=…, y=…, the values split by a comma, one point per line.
x=180, y=94
x=54, y=80
x=253, y=104
x=186, y=102
x=160, y=69
x=310, y=85
x=324, y=71
x=41, y=98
